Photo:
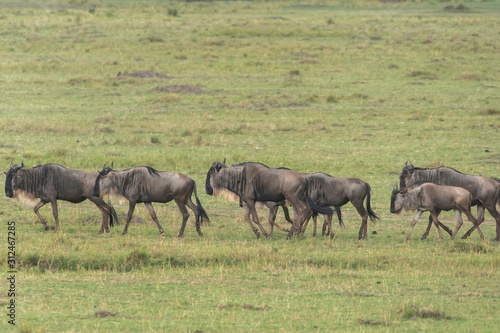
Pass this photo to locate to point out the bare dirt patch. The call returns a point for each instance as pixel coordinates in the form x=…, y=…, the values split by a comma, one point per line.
x=104, y=314
x=188, y=88
x=144, y=75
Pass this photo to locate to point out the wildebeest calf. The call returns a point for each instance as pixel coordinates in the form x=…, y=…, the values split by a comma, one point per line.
x=145, y=184
x=434, y=198
x=326, y=190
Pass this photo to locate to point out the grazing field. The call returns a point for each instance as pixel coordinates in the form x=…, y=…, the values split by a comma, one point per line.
x=350, y=88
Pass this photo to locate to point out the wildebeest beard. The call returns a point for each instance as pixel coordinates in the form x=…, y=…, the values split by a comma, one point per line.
x=8, y=186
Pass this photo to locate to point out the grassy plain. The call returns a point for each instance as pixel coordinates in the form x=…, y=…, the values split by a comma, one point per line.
x=351, y=88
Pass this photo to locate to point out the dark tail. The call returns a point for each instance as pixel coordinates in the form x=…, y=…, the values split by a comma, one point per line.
x=319, y=209
x=201, y=210
x=113, y=217
x=371, y=213
x=339, y=215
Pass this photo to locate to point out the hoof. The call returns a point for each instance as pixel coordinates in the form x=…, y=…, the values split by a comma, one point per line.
x=423, y=238
x=257, y=234
x=46, y=228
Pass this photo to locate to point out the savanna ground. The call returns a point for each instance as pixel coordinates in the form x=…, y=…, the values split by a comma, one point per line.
x=353, y=89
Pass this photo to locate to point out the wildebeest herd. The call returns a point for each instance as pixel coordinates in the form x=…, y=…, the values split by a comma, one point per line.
x=255, y=184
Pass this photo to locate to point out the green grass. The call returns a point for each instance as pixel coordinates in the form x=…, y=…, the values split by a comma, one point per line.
x=353, y=89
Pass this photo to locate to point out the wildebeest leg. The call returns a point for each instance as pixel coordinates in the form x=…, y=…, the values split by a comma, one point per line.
x=185, y=216
x=131, y=207
x=53, y=203
x=252, y=211
x=328, y=221
x=474, y=221
x=36, y=208
x=304, y=225
x=363, y=230
x=273, y=211
x=415, y=220
x=458, y=217
x=426, y=233
x=193, y=207
x=287, y=214
x=480, y=219
x=300, y=213
x=315, y=221
x=323, y=230
x=434, y=215
x=255, y=217
x=448, y=230
x=103, y=207
x=152, y=212
x=104, y=221
x=272, y=220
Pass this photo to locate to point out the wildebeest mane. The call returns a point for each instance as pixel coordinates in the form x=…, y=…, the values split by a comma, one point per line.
x=316, y=185
x=35, y=180
x=152, y=171
x=431, y=175
x=234, y=179
x=245, y=163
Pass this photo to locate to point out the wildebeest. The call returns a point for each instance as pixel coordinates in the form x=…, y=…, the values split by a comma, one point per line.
x=485, y=191
x=52, y=182
x=434, y=198
x=146, y=185
x=326, y=190
x=254, y=182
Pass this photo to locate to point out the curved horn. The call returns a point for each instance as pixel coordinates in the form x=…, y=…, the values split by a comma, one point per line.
x=224, y=163
x=104, y=165
x=11, y=163
x=111, y=165
x=411, y=164
x=22, y=162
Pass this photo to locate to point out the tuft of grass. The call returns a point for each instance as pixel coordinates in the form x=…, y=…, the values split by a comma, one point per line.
x=155, y=139
x=414, y=311
x=466, y=246
x=137, y=258
x=491, y=112
x=424, y=75
x=172, y=12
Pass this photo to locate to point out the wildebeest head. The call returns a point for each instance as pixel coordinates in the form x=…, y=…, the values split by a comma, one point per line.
x=11, y=176
x=101, y=179
x=210, y=184
x=407, y=177
x=397, y=199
